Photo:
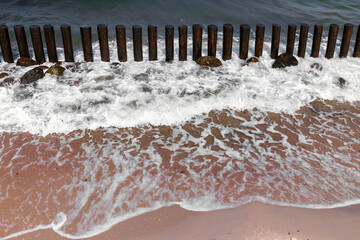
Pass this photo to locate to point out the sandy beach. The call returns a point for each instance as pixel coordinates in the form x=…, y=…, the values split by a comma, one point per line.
x=38, y=189
x=179, y=120
x=251, y=221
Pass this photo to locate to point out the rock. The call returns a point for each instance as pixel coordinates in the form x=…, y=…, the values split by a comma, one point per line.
x=252, y=60
x=56, y=70
x=209, y=61
x=26, y=62
x=32, y=76
x=316, y=66
x=341, y=82
x=104, y=78
x=43, y=67
x=4, y=74
x=7, y=81
x=114, y=64
x=142, y=77
x=285, y=60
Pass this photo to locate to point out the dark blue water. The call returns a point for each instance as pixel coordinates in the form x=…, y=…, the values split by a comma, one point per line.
x=162, y=12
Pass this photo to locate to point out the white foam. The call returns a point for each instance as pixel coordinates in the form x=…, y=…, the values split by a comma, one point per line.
x=168, y=93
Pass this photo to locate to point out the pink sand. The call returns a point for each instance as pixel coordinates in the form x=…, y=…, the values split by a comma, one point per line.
x=251, y=221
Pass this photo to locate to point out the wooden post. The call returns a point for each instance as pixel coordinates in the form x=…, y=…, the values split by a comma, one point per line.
x=357, y=44
x=259, y=42
x=137, y=40
x=228, y=30
x=169, y=42
x=304, y=29
x=103, y=42
x=50, y=43
x=197, y=41
x=121, y=42
x=21, y=41
x=316, y=41
x=67, y=43
x=212, y=39
x=275, y=41
x=183, y=34
x=152, y=38
x=291, y=38
x=5, y=44
x=330, y=49
x=37, y=43
x=345, y=42
x=244, y=41
x=87, y=43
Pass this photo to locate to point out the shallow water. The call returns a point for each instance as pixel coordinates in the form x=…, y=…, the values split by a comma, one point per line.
x=90, y=178
x=108, y=141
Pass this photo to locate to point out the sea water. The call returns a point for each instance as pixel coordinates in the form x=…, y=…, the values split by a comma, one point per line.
x=108, y=141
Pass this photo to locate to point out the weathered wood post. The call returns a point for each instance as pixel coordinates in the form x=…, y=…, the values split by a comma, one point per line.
x=330, y=49
x=5, y=44
x=87, y=43
x=121, y=42
x=212, y=40
x=228, y=30
x=50, y=43
x=37, y=43
x=137, y=40
x=169, y=43
x=67, y=42
x=291, y=38
x=21, y=41
x=357, y=44
x=304, y=29
x=103, y=42
x=259, y=42
x=152, y=39
x=197, y=41
x=316, y=41
x=244, y=41
x=275, y=41
x=183, y=34
x=345, y=42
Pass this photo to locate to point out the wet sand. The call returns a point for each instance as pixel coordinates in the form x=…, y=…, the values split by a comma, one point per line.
x=311, y=157
x=252, y=221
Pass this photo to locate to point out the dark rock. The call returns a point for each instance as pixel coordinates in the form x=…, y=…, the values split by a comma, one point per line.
x=341, y=82
x=32, y=76
x=285, y=60
x=115, y=64
x=7, y=81
x=56, y=70
x=58, y=63
x=43, y=67
x=316, y=66
x=252, y=60
x=146, y=89
x=4, y=74
x=26, y=62
x=209, y=61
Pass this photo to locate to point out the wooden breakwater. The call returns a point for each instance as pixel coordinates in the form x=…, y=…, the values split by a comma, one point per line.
x=197, y=32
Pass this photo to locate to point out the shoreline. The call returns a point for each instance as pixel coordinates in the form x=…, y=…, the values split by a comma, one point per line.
x=253, y=220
